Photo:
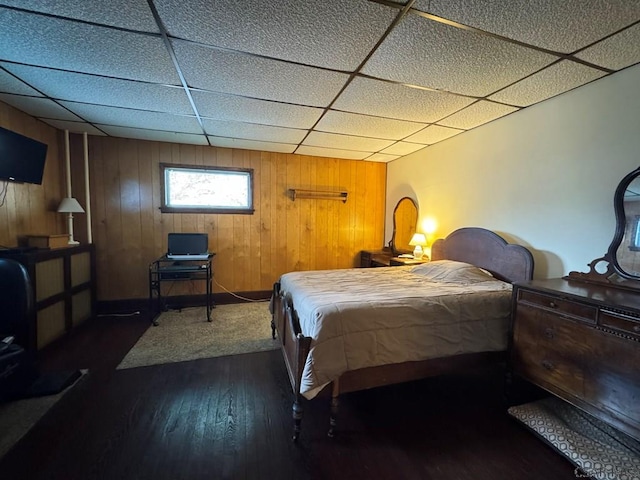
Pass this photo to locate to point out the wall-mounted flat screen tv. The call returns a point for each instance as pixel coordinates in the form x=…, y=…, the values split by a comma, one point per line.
x=21, y=158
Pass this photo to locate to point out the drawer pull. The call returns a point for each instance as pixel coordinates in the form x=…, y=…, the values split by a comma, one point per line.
x=636, y=328
x=553, y=305
x=549, y=333
x=548, y=365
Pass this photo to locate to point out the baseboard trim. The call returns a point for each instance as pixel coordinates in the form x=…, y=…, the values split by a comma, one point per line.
x=179, y=301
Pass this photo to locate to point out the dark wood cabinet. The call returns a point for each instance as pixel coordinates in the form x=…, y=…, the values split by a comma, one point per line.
x=580, y=342
x=375, y=258
x=64, y=290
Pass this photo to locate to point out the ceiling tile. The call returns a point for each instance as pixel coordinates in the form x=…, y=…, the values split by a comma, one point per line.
x=84, y=48
x=431, y=54
x=329, y=34
x=251, y=145
x=124, y=117
x=616, y=52
x=433, y=134
x=39, y=107
x=242, y=74
x=563, y=26
x=384, y=99
x=154, y=135
x=346, y=142
x=222, y=106
x=381, y=157
x=403, y=148
x=549, y=82
x=129, y=14
x=10, y=84
x=366, y=126
x=73, y=127
x=332, y=152
x=80, y=87
x=477, y=114
x=252, y=131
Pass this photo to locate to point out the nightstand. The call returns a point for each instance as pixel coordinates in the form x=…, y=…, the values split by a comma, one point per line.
x=399, y=261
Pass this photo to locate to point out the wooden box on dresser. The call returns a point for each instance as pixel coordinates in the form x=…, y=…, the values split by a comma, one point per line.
x=580, y=342
x=64, y=291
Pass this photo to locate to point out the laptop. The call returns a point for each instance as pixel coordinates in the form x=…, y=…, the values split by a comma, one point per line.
x=188, y=246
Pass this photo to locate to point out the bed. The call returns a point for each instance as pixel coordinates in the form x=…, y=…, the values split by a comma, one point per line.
x=353, y=329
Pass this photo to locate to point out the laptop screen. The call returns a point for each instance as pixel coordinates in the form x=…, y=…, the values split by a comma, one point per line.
x=188, y=243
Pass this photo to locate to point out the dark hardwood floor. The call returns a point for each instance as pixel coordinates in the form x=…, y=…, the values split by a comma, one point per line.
x=230, y=418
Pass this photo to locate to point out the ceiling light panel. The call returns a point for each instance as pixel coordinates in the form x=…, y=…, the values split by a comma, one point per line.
x=220, y=106
x=563, y=26
x=616, y=52
x=433, y=134
x=80, y=87
x=241, y=74
x=73, y=127
x=154, y=135
x=124, y=117
x=331, y=34
x=251, y=145
x=252, y=131
x=346, y=142
x=39, y=107
x=332, y=152
x=384, y=99
x=366, y=126
x=547, y=83
x=129, y=14
x=403, y=148
x=477, y=114
x=431, y=54
x=10, y=84
x=84, y=48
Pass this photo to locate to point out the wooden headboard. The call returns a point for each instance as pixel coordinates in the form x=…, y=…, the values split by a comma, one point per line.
x=488, y=250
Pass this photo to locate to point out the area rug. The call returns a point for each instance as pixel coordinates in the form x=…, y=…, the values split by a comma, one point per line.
x=186, y=335
x=600, y=451
x=18, y=417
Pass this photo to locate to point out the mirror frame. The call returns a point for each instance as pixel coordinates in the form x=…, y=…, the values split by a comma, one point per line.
x=613, y=275
x=621, y=223
x=392, y=242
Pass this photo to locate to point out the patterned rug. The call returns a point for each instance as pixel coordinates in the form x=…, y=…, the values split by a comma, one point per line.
x=601, y=452
x=186, y=335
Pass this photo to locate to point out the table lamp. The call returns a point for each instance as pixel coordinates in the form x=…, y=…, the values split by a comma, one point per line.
x=418, y=240
x=70, y=206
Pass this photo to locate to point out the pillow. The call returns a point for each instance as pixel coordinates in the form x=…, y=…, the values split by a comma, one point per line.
x=450, y=271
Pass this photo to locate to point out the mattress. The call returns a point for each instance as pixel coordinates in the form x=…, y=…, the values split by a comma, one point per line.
x=360, y=318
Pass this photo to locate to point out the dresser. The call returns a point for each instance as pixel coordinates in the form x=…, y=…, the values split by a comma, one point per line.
x=580, y=342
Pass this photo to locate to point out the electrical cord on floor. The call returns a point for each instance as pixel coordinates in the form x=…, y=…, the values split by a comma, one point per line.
x=240, y=296
x=137, y=312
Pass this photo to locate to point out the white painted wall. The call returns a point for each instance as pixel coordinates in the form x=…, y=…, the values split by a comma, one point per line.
x=543, y=177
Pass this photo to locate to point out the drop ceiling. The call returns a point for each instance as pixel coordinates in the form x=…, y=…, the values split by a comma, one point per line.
x=355, y=79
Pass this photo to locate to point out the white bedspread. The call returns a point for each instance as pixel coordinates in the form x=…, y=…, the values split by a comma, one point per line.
x=368, y=317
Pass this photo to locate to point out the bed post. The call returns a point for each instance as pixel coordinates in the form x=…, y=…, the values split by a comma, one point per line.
x=274, y=307
x=333, y=416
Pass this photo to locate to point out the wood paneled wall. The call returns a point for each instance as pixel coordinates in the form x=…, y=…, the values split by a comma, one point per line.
x=252, y=251
x=31, y=209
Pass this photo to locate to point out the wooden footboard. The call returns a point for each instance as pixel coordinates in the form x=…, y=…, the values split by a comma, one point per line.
x=295, y=347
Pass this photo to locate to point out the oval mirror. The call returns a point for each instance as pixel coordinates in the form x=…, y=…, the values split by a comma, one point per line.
x=405, y=220
x=624, y=251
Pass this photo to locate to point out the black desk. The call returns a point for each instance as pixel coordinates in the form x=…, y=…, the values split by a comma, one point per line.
x=167, y=270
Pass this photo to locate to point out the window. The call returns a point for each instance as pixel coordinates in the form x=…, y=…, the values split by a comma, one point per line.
x=200, y=189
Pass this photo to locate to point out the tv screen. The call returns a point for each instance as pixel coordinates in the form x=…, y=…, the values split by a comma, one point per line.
x=21, y=158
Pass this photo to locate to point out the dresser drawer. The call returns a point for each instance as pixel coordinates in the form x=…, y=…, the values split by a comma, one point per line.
x=560, y=306
x=619, y=322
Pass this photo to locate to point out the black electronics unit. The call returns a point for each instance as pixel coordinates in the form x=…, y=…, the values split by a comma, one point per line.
x=21, y=158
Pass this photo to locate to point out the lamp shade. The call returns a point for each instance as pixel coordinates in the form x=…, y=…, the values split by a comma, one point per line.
x=418, y=239
x=70, y=205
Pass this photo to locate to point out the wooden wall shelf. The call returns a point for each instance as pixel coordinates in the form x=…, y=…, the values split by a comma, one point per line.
x=318, y=194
